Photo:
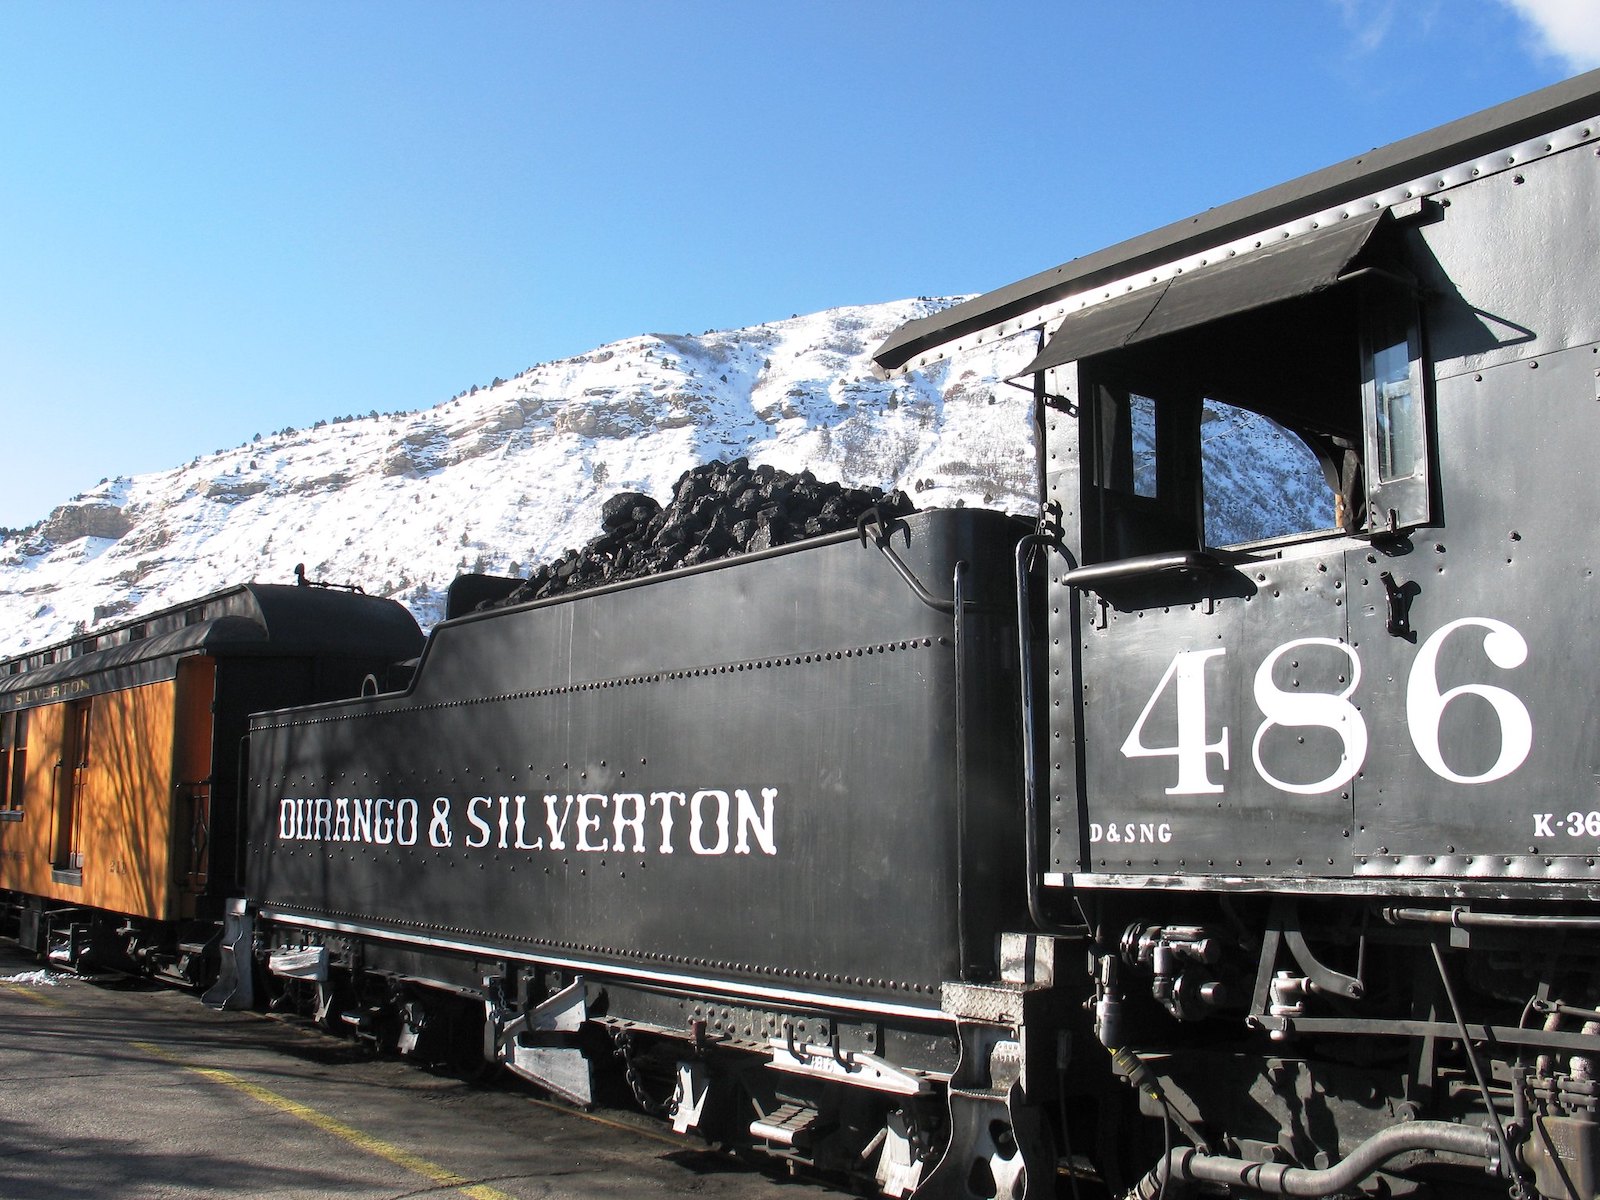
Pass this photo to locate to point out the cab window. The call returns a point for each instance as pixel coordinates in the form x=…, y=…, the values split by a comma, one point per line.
x=1259, y=481
x=1301, y=418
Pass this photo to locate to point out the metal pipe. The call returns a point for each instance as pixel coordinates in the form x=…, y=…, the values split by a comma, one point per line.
x=959, y=634
x=1181, y=1167
x=1472, y=1060
x=1461, y=918
x=1123, y=569
x=884, y=541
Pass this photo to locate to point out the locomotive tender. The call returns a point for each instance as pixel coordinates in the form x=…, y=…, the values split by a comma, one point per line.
x=1115, y=848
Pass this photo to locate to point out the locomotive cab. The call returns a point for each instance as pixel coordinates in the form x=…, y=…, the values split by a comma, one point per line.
x=1238, y=462
x=1317, y=755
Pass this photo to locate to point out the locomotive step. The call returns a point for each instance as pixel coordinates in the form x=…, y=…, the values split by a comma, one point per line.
x=788, y=1125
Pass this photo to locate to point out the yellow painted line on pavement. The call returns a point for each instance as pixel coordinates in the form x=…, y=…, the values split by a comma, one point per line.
x=346, y=1133
x=32, y=993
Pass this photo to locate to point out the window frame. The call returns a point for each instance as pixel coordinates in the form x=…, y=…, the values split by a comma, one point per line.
x=1360, y=315
x=1403, y=501
x=1123, y=515
x=13, y=763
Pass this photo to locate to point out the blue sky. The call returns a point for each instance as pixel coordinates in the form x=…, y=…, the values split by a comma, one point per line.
x=222, y=219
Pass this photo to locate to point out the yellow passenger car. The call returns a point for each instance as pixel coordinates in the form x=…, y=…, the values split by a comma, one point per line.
x=120, y=756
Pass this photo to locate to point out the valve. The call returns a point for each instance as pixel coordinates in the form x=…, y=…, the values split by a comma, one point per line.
x=1172, y=953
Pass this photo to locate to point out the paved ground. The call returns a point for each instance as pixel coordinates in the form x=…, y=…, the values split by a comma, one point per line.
x=121, y=1090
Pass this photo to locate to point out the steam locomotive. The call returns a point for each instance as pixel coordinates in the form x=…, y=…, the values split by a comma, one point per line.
x=972, y=856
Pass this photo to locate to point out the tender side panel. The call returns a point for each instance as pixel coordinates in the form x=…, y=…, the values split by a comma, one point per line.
x=751, y=773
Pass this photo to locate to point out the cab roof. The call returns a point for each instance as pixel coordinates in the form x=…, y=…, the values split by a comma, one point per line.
x=1025, y=304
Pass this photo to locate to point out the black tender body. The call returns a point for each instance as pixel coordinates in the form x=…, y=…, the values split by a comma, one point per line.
x=782, y=784
x=706, y=775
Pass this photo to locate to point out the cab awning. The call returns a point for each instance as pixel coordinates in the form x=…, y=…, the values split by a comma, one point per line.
x=1295, y=267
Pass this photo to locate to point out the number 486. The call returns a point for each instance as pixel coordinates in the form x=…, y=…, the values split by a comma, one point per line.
x=1425, y=707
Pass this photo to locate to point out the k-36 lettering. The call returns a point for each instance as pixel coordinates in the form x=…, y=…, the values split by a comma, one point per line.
x=1573, y=824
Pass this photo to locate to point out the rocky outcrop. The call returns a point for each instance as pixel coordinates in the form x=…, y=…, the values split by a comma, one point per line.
x=95, y=519
x=232, y=490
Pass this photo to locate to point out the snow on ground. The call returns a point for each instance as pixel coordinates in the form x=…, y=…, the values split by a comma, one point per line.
x=34, y=979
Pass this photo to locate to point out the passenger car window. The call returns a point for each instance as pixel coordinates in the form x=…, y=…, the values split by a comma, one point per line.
x=13, y=760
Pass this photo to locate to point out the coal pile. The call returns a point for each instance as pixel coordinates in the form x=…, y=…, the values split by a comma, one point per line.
x=717, y=511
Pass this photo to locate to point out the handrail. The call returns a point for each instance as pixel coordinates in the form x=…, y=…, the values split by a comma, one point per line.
x=884, y=542
x=1145, y=564
x=1030, y=773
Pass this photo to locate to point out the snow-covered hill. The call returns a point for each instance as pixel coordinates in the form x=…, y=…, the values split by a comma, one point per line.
x=503, y=477
x=513, y=474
